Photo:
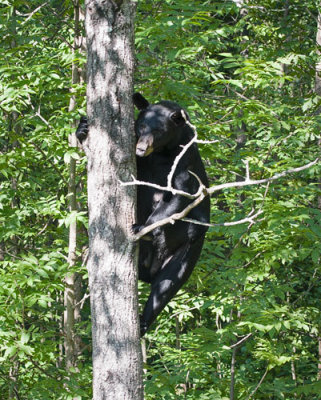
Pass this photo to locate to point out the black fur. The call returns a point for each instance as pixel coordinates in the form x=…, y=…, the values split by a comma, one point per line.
x=169, y=253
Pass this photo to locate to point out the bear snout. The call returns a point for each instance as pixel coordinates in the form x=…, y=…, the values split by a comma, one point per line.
x=144, y=146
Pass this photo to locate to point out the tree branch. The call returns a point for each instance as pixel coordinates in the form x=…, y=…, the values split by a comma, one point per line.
x=250, y=182
x=250, y=218
x=33, y=12
x=159, y=187
x=202, y=192
x=37, y=112
x=259, y=384
x=229, y=185
x=171, y=219
x=185, y=148
x=244, y=339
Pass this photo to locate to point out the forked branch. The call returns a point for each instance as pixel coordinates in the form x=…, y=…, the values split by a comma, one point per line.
x=202, y=191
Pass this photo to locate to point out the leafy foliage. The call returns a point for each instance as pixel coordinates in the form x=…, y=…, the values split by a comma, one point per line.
x=246, y=76
x=242, y=75
x=35, y=123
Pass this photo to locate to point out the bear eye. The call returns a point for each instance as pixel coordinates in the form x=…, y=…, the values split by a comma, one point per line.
x=177, y=117
x=142, y=126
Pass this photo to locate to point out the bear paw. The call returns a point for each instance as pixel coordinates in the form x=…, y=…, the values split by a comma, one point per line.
x=136, y=228
x=82, y=130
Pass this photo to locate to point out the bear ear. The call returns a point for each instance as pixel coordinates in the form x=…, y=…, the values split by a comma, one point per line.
x=140, y=102
x=178, y=118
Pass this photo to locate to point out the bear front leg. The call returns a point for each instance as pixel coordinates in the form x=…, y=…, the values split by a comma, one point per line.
x=82, y=130
x=166, y=208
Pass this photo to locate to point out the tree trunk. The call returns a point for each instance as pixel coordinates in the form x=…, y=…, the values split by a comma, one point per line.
x=318, y=64
x=117, y=365
x=319, y=362
x=72, y=294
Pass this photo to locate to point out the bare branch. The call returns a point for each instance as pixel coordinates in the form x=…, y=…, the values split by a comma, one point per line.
x=82, y=301
x=247, y=176
x=202, y=192
x=250, y=262
x=250, y=182
x=229, y=185
x=245, y=338
x=34, y=12
x=250, y=218
x=159, y=187
x=206, y=141
x=37, y=112
x=172, y=218
x=185, y=148
x=259, y=384
x=198, y=180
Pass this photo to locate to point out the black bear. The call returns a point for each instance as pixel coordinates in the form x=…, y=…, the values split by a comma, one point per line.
x=169, y=253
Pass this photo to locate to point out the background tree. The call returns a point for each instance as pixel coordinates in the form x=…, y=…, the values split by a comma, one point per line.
x=37, y=54
x=73, y=284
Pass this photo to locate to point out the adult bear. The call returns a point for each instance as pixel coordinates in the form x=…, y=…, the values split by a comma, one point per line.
x=169, y=253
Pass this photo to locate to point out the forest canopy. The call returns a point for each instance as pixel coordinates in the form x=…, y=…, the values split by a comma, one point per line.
x=248, y=322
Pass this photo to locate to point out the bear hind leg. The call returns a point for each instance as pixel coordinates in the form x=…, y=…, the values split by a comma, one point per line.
x=169, y=280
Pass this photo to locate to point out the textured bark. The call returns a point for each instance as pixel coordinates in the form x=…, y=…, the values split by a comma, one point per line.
x=117, y=366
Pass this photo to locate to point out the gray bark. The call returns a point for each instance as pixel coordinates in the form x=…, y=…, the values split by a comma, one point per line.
x=117, y=366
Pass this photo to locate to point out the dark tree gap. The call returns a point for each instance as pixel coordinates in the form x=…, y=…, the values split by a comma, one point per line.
x=117, y=367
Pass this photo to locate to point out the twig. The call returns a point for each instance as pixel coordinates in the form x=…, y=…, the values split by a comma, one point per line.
x=250, y=262
x=311, y=285
x=206, y=141
x=159, y=187
x=37, y=113
x=34, y=12
x=237, y=344
x=202, y=192
x=247, y=169
x=185, y=148
x=44, y=228
x=49, y=160
x=174, y=217
x=235, y=348
x=259, y=384
x=185, y=310
x=250, y=218
x=250, y=182
x=39, y=367
x=229, y=185
x=82, y=301
x=313, y=16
